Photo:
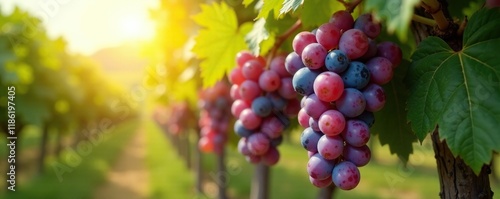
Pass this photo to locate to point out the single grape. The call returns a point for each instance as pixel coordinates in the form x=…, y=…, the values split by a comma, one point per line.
x=390, y=51
x=269, y=81
x=278, y=102
x=380, y=70
x=243, y=147
x=330, y=147
x=271, y=157
x=336, y=61
x=240, y=130
x=254, y=159
x=249, y=119
x=309, y=139
x=319, y=168
x=321, y=183
x=367, y=23
x=293, y=63
x=367, y=117
x=346, y=175
x=331, y=122
x=286, y=89
x=236, y=76
x=375, y=97
x=278, y=65
x=313, y=56
x=343, y=20
x=354, y=43
x=314, y=124
x=272, y=127
x=301, y=40
x=262, y=106
x=356, y=76
x=359, y=156
x=234, y=93
x=315, y=107
x=252, y=69
x=303, y=118
x=328, y=86
x=249, y=90
x=303, y=81
x=372, y=50
x=258, y=143
x=351, y=103
x=356, y=133
x=242, y=57
x=328, y=35
x=238, y=106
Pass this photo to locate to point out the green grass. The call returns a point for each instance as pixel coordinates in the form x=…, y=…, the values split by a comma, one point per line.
x=81, y=180
x=169, y=178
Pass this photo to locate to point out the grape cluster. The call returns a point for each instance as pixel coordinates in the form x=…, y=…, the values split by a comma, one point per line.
x=264, y=99
x=339, y=69
x=214, y=117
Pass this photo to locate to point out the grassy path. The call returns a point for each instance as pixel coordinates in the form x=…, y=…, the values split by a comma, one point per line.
x=129, y=177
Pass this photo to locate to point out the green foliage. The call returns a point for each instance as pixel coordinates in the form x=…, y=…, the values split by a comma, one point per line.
x=290, y=5
x=272, y=6
x=460, y=91
x=396, y=13
x=256, y=37
x=219, y=42
x=316, y=12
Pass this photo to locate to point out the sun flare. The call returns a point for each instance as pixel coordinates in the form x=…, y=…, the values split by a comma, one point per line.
x=136, y=27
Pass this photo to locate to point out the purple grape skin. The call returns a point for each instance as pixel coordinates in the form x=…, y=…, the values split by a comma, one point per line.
x=356, y=76
x=372, y=50
x=351, y=103
x=243, y=146
x=278, y=65
x=390, y=51
x=314, y=124
x=381, y=71
x=319, y=168
x=367, y=117
x=314, y=55
x=354, y=43
x=356, y=133
x=301, y=40
x=271, y=157
x=368, y=25
x=330, y=147
x=309, y=139
x=258, y=143
x=321, y=183
x=375, y=97
x=303, y=81
x=336, y=61
x=278, y=102
x=343, y=20
x=315, y=107
x=359, y=156
x=262, y=106
x=240, y=130
x=293, y=63
x=345, y=175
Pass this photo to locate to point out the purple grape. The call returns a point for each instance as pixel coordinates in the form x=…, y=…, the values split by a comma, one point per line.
x=354, y=43
x=249, y=119
x=375, y=97
x=372, y=50
x=303, y=118
x=293, y=63
x=390, y=51
x=321, y=183
x=243, y=146
x=315, y=107
x=271, y=157
x=314, y=124
x=343, y=20
x=258, y=143
x=336, y=61
x=368, y=25
x=252, y=69
x=262, y=106
x=269, y=81
x=314, y=55
x=319, y=168
x=303, y=81
x=328, y=35
x=272, y=127
x=346, y=175
x=240, y=130
x=286, y=90
x=278, y=65
x=356, y=76
x=309, y=139
x=330, y=148
x=367, y=117
x=351, y=103
x=278, y=102
x=301, y=40
x=331, y=122
x=380, y=70
x=249, y=90
x=359, y=156
x=328, y=86
x=356, y=133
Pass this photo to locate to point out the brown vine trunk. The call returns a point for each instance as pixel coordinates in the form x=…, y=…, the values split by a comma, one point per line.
x=260, y=182
x=457, y=180
x=327, y=192
x=43, y=149
x=222, y=181
x=198, y=159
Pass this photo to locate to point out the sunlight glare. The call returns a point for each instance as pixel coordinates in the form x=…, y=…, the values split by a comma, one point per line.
x=136, y=27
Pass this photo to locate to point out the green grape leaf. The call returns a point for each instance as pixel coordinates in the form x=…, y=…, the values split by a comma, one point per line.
x=460, y=91
x=390, y=122
x=396, y=13
x=256, y=37
x=247, y=2
x=219, y=42
x=268, y=6
x=313, y=15
x=289, y=5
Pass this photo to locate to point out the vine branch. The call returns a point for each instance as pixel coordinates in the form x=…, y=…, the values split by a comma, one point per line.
x=434, y=8
x=351, y=5
x=423, y=20
x=282, y=38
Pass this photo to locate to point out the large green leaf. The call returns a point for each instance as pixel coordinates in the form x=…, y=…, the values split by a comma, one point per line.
x=317, y=12
x=460, y=91
x=396, y=13
x=219, y=42
x=289, y=5
x=270, y=5
x=390, y=122
x=256, y=37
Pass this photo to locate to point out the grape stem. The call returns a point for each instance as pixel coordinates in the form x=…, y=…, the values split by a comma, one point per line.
x=423, y=20
x=282, y=38
x=351, y=5
x=461, y=28
x=434, y=8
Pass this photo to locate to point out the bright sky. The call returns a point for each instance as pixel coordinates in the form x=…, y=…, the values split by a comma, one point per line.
x=89, y=25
